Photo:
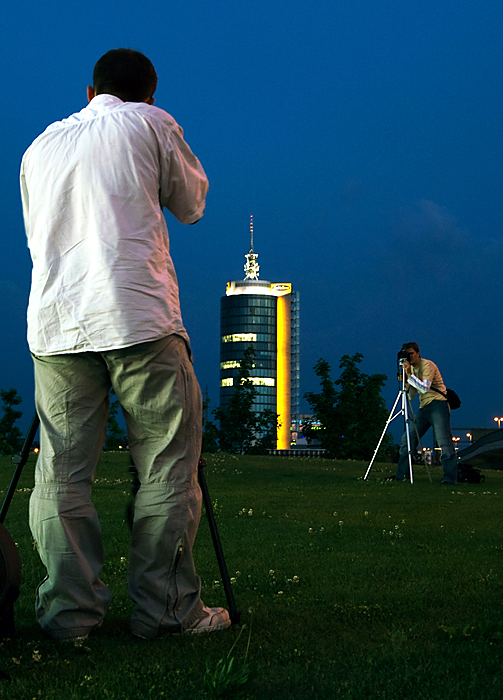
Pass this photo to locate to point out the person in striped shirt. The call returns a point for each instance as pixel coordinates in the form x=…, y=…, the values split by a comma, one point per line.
x=423, y=377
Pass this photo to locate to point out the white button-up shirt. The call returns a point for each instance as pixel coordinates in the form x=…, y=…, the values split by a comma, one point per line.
x=93, y=187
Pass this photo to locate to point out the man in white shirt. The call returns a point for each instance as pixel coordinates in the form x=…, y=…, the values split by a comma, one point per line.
x=104, y=313
x=423, y=377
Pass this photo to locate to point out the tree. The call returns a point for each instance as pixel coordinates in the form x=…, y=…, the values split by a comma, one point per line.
x=10, y=435
x=210, y=430
x=241, y=429
x=115, y=436
x=352, y=418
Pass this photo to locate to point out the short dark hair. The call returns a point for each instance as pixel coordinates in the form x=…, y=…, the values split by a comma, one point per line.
x=414, y=346
x=125, y=73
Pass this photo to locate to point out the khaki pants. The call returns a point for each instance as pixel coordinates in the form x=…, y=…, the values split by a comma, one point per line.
x=161, y=402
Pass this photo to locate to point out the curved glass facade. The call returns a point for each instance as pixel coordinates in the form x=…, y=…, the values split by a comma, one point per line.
x=248, y=319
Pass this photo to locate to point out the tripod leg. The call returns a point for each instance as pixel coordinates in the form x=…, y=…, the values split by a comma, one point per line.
x=390, y=418
x=235, y=615
x=408, y=417
x=20, y=459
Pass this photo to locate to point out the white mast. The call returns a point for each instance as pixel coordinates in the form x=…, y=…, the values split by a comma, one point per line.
x=252, y=267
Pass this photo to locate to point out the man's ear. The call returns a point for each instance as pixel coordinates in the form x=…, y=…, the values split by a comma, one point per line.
x=90, y=93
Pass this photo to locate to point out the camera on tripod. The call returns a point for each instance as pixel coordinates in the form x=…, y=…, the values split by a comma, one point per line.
x=402, y=357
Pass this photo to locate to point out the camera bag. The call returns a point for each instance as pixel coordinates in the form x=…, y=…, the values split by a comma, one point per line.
x=452, y=398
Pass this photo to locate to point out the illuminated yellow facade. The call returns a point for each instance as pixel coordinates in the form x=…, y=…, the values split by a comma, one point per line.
x=283, y=394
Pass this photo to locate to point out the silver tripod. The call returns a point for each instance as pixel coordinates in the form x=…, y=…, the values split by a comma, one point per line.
x=408, y=414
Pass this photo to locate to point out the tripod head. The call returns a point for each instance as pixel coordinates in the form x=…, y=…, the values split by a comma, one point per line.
x=401, y=372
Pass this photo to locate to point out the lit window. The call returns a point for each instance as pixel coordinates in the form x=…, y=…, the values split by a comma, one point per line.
x=262, y=381
x=256, y=381
x=231, y=364
x=239, y=338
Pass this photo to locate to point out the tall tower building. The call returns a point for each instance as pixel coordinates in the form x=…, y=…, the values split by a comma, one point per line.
x=266, y=316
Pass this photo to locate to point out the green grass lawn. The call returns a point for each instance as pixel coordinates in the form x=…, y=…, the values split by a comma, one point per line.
x=352, y=588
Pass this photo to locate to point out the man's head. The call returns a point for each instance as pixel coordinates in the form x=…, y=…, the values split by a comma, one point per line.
x=413, y=350
x=125, y=73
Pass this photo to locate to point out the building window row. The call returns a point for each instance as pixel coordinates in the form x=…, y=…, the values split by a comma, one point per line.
x=266, y=401
x=247, y=300
x=270, y=331
x=248, y=321
x=234, y=351
x=259, y=365
x=248, y=310
x=256, y=381
x=257, y=371
x=239, y=338
x=263, y=338
x=230, y=364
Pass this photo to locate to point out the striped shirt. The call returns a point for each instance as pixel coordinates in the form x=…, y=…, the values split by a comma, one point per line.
x=424, y=376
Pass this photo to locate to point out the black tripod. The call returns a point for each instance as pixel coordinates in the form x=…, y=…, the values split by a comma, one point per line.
x=10, y=563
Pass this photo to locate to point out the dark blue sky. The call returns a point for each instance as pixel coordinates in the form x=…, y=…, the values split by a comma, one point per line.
x=364, y=137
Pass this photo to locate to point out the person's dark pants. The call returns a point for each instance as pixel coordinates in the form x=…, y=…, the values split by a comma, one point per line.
x=435, y=415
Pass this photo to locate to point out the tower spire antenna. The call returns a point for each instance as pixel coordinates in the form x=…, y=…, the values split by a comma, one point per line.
x=252, y=267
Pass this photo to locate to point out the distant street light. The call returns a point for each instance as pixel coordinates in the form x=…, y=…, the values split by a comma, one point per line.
x=469, y=436
x=498, y=421
x=456, y=440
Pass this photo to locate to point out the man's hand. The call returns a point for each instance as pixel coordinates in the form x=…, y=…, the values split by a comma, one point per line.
x=407, y=368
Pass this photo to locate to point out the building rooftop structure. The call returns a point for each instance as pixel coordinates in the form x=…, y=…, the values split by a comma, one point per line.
x=264, y=315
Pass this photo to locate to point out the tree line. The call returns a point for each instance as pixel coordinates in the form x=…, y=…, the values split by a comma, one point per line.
x=348, y=416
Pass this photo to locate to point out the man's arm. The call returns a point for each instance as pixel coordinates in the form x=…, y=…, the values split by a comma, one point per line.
x=421, y=385
x=184, y=184
x=429, y=369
